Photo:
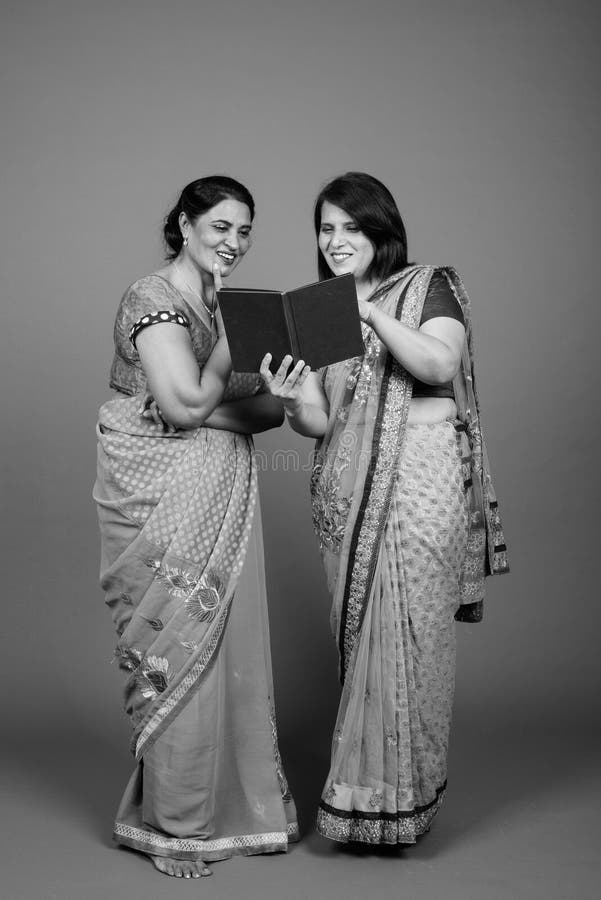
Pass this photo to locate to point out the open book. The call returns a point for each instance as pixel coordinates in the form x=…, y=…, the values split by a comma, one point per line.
x=318, y=323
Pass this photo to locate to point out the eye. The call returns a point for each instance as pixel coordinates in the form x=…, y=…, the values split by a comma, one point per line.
x=325, y=229
x=352, y=228
x=245, y=233
x=220, y=227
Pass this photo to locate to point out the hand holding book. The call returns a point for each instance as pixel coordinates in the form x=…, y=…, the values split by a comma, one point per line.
x=286, y=382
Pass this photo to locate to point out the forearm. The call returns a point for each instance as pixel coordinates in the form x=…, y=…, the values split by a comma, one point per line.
x=189, y=410
x=250, y=415
x=307, y=419
x=424, y=356
x=185, y=396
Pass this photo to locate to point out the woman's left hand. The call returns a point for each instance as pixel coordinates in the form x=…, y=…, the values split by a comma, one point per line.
x=150, y=410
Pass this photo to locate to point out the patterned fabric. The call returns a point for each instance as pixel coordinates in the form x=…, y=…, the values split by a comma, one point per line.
x=161, y=317
x=182, y=570
x=367, y=456
x=388, y=770
x=151, y=297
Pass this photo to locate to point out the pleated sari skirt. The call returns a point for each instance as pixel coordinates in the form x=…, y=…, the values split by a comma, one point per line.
x=389, y=751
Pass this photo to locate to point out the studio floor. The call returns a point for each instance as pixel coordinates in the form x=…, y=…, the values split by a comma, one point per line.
x=521, y=820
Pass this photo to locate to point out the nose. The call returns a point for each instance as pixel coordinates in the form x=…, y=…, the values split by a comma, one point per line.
x=338, y=239
x=232, y=242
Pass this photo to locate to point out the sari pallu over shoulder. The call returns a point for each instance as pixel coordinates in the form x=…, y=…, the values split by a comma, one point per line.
x=356, y=462
x=192, y=501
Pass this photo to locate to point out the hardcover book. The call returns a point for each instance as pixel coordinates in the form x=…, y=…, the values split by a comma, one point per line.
x=318, y=323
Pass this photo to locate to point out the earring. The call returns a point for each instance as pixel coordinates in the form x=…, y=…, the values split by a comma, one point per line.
x=186, y=241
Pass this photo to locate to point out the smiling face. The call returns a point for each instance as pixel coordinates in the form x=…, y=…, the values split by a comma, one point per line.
x=221, y=235
x=345, y=248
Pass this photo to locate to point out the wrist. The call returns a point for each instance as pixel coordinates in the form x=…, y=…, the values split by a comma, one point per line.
x=368, y=316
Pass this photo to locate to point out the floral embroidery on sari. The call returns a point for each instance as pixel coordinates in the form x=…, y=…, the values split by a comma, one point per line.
x=153, y=676
x=201, y=594
x=329, y=510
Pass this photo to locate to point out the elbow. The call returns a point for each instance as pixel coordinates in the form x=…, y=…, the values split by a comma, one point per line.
x=183, y=417
x=443, y=370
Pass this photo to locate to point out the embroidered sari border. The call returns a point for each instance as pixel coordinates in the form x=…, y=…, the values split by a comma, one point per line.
x=388, y=816
x=359, y=520
x=403, y=827
x=194, y=848
x=393, y=407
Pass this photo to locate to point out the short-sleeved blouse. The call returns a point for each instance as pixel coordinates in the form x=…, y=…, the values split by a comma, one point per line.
x=152, y=300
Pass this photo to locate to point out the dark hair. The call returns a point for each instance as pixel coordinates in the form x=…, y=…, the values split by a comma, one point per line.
x=373, y=208
x=197, y=198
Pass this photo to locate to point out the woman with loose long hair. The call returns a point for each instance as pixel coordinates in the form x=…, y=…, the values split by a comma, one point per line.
x=404, y=510
x=182, y=556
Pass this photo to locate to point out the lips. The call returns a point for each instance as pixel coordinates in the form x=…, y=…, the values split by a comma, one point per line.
x=340, y=257
x=228, y=258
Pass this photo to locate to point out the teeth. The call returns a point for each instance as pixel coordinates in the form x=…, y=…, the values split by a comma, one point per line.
x=340, y=256
x=228, y=257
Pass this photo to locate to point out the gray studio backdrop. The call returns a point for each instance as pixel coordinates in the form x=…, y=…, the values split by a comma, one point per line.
x=480, y=118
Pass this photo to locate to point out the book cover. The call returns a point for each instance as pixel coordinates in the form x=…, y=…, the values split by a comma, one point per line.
x=317, y=322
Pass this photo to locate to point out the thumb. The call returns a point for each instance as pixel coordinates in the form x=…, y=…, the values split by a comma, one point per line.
x=217, y=277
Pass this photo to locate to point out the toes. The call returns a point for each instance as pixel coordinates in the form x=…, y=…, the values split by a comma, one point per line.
x=181, y=869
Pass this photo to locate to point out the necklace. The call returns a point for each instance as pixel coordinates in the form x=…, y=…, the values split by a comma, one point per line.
x=210, y=309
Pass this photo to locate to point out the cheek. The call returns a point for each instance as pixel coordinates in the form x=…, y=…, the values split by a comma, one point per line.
x=368, y=254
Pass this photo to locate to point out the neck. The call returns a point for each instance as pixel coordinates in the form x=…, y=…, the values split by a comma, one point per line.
x=365, y=288
x=193, y=277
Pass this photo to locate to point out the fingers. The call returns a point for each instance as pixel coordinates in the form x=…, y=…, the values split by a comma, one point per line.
x=285, y=380
x=292, y=379
x=151, y=410
x=264, y=370
x=217, y=280
x=303, y=376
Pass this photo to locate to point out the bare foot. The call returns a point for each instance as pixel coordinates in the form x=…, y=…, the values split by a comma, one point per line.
x=181, y=868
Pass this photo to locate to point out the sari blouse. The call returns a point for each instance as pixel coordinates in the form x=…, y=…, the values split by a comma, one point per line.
x=151, y=300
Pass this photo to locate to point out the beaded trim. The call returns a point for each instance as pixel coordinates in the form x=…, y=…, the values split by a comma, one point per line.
x=149, y=840
x=163, y=315
x=402, y=827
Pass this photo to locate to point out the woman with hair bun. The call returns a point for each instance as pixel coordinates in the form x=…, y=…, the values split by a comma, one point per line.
x=182, y=555
x=404, y=510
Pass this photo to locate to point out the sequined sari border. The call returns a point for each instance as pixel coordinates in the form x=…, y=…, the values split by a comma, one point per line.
x=402, y=827
x=192, y=849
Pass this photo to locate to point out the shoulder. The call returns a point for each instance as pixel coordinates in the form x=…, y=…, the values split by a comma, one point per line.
x=152, y=288
x=442, y=298
x=150, y=294
x=148, y=301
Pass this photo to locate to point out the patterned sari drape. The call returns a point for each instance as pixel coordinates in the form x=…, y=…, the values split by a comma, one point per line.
x=176, y=515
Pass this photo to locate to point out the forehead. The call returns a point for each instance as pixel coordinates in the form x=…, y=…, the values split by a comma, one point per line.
x=228, y=210
x=331, y=213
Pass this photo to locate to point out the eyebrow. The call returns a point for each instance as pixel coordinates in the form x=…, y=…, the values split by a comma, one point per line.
x=227, y=222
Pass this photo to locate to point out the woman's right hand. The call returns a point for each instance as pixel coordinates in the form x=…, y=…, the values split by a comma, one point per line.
x=287, y=387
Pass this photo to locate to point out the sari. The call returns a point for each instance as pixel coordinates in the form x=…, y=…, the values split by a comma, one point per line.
x=183, y=573
x=408, y=527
